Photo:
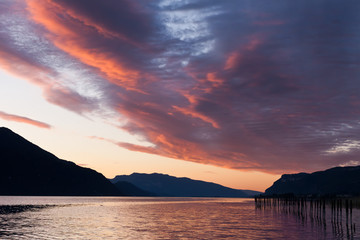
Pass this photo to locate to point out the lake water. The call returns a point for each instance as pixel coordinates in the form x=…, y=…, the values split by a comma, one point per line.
x=161, y=218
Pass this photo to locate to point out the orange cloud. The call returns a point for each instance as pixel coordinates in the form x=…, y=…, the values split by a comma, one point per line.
x=216, y=82
x=92, y=24
x=165, y=132
x=195, y=114
x=236, y=56
x=20, y=119
x=170, y=147
x=64, y=26
x=138, y=148
x=232, y=60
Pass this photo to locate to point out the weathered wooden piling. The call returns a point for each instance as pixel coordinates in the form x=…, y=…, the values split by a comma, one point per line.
x=314, y=208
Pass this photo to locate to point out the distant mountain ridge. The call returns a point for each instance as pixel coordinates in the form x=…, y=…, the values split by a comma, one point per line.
x=26, y=169
x=169, y=186
x=334, y=181
x=130, y=189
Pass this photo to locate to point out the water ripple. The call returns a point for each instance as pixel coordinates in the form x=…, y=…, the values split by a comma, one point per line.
x=153, y=218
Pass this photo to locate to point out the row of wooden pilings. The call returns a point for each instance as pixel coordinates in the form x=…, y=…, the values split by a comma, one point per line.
x=336, y=203
x=315, y=210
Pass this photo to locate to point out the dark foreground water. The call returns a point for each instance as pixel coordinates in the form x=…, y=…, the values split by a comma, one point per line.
x=161, y=218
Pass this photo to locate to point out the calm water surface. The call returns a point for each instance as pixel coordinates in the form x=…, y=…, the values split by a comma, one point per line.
x=160, y=218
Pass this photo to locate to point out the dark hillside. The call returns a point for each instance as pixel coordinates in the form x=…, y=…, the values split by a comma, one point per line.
x=26, y=169
x=334, y=181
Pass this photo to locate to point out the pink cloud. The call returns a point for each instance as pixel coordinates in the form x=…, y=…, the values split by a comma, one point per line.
x=20, y=119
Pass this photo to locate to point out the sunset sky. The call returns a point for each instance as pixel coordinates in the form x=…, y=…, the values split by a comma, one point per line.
x=235, y=92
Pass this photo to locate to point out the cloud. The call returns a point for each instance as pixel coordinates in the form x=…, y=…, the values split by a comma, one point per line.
x=30, y=56
x=344, y=147
x=20, y=119
x=114, y=48
x=44, y=77
x=237, y=84
x=350, y=163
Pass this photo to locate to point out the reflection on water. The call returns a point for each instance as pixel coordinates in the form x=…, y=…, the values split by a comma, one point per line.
x=161, y=218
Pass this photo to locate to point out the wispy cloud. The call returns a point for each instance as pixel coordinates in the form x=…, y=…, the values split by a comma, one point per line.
x=238, y=84
x=20, y=119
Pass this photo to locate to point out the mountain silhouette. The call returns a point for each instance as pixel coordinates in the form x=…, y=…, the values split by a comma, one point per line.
x=26, y=169
x=169, y=186
x=334, y=181
x=130, y=189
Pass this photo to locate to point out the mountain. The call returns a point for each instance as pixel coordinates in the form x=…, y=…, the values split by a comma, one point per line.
x=169, y=186
x=130, y=189
x=26, y=169
x=334, y=181
x=251, y=193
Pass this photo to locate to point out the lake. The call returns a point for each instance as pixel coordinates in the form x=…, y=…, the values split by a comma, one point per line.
x=161, y=218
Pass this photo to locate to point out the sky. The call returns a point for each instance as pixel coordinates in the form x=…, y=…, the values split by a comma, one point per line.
x=236, y=92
